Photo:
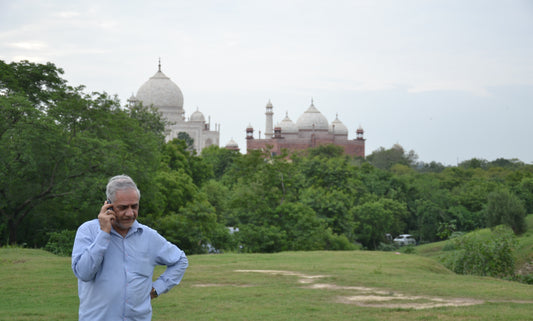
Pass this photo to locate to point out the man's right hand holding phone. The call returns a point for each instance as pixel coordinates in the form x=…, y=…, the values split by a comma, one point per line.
x=106, y=217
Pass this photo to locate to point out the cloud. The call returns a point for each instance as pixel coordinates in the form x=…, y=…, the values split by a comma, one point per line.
x=30, y=58
x=68, y=14
x=27, y=45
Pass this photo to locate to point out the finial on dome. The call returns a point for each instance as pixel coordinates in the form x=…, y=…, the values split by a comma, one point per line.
x=159, y=65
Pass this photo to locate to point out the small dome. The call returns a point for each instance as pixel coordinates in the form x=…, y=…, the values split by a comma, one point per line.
x=287, y=125
x=232, y=144
x=312, y=119
x=337, y=127
x=162, y=93
x=197, y=116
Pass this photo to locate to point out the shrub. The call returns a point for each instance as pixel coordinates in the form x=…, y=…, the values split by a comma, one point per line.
x=409, y=249
x=485, y=254
x=60, y=243
x=387, y=247
x=503, y=207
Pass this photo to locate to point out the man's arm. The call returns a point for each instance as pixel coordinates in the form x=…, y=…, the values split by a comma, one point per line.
x=176, y=262
x=90, y=246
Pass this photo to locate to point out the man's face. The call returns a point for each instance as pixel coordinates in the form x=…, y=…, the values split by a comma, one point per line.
x=126, y=208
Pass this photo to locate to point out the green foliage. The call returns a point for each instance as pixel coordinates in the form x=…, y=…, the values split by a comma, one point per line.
x=189, y=142
x=59, y=146
x=430, y=216
x=220, y=159
x=503, y=207
x=375, y=219
x=328, y=151
x=331, y=205
x=525, y=191
x=386, y=158
x=61, y=243
x=485, y=254
x=192, y=228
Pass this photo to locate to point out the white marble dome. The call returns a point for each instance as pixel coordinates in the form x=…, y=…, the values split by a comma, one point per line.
x=337, y=127
x=162, y=93
x=287, y=125
x=312, y=119
x=197, y=116
x=232, y=144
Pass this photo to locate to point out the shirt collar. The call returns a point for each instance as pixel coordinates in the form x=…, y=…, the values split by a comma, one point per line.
x=135, y=227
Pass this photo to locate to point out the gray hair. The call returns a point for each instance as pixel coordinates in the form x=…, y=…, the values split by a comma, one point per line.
x=120, y=183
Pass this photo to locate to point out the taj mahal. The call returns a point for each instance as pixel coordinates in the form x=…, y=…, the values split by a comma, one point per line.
x=162, y=93
x=312, y=129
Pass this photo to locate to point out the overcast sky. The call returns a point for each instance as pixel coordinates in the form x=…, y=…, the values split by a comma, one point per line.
x=451, y=80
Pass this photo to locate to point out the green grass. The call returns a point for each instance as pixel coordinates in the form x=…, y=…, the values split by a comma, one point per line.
x=36, y=285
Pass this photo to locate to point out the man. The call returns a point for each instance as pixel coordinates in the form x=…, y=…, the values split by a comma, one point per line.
x=114, y=258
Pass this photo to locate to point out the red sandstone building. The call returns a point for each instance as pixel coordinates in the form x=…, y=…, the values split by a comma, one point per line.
x=311, y=130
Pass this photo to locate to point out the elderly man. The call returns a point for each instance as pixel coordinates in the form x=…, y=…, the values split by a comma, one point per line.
x=114, y=258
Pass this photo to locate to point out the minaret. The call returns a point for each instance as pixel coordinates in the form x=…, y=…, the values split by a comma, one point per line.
x=269, y=128
x=360, y=133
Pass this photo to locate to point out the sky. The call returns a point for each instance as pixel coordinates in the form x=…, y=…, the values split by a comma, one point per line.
x=451, y=80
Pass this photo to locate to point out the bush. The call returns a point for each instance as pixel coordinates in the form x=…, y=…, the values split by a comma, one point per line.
x=410, y=249
x=60, y=243
x=503, y=207
x=485, y=254
x=387, y=247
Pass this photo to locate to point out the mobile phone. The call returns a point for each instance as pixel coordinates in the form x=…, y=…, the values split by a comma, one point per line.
x=109, y=202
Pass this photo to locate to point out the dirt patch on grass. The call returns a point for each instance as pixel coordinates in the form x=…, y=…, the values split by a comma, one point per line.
x=375, y=297
x=209, y=285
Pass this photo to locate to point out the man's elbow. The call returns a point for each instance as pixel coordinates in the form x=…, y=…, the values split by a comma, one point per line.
x=184, y=262
x=82, y=275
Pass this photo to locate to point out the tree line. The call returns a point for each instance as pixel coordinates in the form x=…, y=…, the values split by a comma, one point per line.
x=59, y=145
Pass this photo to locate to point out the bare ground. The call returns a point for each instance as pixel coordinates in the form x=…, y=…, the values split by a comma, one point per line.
x=375, y=297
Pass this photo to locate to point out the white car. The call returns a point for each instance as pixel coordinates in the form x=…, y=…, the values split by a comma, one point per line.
x=405, y=239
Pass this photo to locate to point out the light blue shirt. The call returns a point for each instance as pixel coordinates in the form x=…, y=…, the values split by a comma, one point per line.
x=115, y=273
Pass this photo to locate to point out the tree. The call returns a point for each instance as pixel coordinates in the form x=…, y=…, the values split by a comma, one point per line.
x=373, y=220
x=59, y=146
x=192, y=228
x=385, y=158
x=327, y=151
x=189, y=141
x=220, y=159
x=474, y=163
x=332, y=206
x=525, y=190
x=503, y=207
x=430, y=216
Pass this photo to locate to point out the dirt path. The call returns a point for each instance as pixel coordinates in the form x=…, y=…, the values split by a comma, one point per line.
x=374, y=297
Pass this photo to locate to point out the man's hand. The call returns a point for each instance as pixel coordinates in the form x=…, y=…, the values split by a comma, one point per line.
x=106, y=217
x=153, y=294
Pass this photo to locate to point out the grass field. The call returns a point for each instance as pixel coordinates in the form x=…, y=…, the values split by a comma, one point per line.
x=358, y=285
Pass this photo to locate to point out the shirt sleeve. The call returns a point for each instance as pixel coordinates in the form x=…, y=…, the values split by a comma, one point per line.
x=176, y=262
x=90, y=246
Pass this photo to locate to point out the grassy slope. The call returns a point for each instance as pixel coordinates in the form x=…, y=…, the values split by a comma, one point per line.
x=36, y=285
x=524, y=252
